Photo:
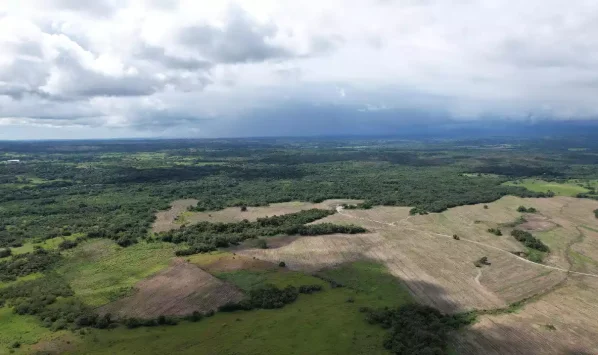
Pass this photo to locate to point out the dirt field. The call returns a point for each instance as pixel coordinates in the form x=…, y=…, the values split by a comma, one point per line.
x=223, y=262
x=559, y=315
x=562, y=322
x=166, y=220
x=420, y=250
x=178, y=290
x=178, y=214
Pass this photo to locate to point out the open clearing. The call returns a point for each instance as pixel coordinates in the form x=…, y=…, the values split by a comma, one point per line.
x=320, y=323
x=100, y=271
x=562, y=189
x=179, y=290
x=439, y=270
x=178, y=214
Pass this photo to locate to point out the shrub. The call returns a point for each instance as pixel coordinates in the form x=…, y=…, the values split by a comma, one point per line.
x=67, y=244
x=282, y=264
x=456, y=237
x=262, y=244
x=485, y=207
x=309, y=288
x=5, y=252
x=495, y=231
x=417, y=210
x=523, y=209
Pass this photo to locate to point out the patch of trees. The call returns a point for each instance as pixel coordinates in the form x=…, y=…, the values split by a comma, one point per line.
x=39, y=260
x=417, y=210
x=524, y=209
x=417, y=329
x=495, y=231
x=529, y=240
x=205, y=236
x=360, y=206
x=67, y=244
x=5, y=252
x=38, y=298
x=269, y=297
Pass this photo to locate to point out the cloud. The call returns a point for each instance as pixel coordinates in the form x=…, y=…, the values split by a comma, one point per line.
x=241, y=39
x=226, y=66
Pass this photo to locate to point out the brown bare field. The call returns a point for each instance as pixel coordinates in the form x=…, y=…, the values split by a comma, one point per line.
x=562, y=322
x=179, y=290
x=559, y=314
x=224, y=262
x=178, y=214
x=166, y=220
x=420, y=250
x=537, y=223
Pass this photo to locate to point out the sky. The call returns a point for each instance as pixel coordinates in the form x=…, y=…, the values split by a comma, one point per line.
x=212, y=68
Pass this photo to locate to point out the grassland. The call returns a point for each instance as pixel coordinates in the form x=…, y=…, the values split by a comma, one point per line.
x=561, y=189
x=328, y=322
x=100, y=271
x=48, y=244
x=15, y=328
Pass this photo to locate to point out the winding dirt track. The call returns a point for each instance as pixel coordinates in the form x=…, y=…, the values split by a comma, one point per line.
x=340, y=210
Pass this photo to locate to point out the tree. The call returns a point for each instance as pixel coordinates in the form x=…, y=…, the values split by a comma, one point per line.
x=282, y=264
x=243, y=208
x=456, y=237
x=5, y=252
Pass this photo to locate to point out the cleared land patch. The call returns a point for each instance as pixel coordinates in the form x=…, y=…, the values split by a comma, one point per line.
x=327, y=322
x=100, y=271
x=561, y=189
x=167, y=220
x=178, y=214
x=179, y=290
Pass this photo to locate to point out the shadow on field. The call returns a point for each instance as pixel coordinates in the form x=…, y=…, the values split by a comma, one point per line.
x=497, y=339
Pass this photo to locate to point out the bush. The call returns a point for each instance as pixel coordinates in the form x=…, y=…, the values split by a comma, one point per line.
x=310, y=288
x=5, y=252
x=262, y=244
x=495, y=231
x=67, y=244
x=523, y=209
x=417, y=210
x=282, y=264
x=456, y=237
x=485, y=207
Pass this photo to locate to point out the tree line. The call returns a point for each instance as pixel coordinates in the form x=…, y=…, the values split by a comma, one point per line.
x=529, y=240
x=206, y=236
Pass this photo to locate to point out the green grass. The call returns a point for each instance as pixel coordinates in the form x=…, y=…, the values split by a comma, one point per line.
x=320, y=323
x=535, y=255
x=49, y=244
x=100, y=271
x=371, y=283
x=568, y=189
x=29, y=277
x=247, y=280
x=24, y=329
